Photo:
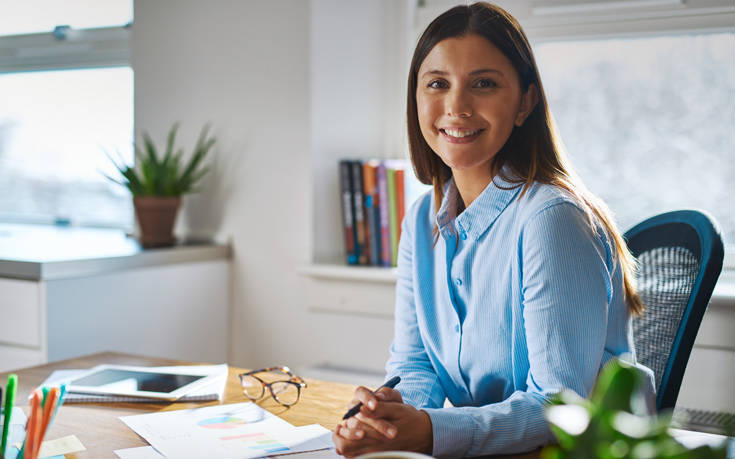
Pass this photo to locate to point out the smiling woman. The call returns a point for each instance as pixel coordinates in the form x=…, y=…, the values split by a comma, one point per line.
x=513, y=281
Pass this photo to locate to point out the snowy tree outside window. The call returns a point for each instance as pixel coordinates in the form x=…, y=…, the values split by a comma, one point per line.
x=649, y=123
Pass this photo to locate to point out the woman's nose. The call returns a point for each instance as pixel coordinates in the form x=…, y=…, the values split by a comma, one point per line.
x=458, y=103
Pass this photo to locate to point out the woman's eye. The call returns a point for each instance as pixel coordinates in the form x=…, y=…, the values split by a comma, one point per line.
x=437, y=84
x=485, y=83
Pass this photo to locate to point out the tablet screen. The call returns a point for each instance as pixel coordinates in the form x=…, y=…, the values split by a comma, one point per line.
x=116, y=381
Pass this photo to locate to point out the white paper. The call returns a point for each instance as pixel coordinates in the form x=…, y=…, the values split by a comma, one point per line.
x=241, y=430
x=143, y=452
x=692, y=439
x=213, y=391
x=329, y=453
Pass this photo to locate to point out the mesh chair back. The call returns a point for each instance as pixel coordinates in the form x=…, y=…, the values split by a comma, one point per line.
x=680, y=258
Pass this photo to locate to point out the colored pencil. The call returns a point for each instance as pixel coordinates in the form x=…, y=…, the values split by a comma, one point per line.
x=9, y=401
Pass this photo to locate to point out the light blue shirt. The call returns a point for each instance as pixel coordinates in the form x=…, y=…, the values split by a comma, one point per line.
x=518, y=299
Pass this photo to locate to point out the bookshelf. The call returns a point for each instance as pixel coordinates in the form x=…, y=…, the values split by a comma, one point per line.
x=342, y=272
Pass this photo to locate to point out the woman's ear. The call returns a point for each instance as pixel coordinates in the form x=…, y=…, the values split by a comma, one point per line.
x=529, y=99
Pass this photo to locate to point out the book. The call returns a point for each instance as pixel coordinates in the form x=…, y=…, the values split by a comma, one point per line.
x=392, y=215
x=385, y=258
x=345, y=186
x=359, y=213
x=372, y=212
x=400, y=202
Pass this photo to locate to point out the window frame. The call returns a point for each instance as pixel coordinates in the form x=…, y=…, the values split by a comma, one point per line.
x=78, y=49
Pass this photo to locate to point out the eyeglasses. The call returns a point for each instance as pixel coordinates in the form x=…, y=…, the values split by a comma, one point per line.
x=285, y=392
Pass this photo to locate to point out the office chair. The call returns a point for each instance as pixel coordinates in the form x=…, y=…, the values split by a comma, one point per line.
x=680, y=258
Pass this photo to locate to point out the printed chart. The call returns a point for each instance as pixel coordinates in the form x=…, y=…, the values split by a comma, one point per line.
x=221, y=422
x=258, y=442
x=240, y=430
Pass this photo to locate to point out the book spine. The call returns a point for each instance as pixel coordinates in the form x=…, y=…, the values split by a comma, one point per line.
x=372, y=248
x=384, y=216
x=359, y=213
x=345, y=175
x=370, y=216
x=400, y=199
x=393, y=216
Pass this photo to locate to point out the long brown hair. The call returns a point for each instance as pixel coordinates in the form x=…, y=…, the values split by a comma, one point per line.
x=534, y=150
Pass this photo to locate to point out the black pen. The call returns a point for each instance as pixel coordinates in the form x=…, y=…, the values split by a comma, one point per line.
x=392, y=382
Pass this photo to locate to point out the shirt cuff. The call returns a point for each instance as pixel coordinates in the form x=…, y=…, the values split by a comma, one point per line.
x=453, y=432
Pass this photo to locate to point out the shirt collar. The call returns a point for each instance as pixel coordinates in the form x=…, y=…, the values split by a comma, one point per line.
x=483, y=211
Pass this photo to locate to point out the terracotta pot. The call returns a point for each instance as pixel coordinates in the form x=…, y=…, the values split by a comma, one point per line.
x=156, y=216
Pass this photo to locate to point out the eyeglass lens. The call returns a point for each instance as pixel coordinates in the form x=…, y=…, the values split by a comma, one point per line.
x=285, y=392
x=252, y=387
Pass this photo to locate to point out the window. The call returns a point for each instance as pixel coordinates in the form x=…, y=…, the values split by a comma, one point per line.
x=648, y=122
x=67, y=99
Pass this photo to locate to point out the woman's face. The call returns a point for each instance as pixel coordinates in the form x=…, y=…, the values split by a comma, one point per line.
x=469, y=99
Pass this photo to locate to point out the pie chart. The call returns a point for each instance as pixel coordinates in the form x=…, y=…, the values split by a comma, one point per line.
x=222, y=422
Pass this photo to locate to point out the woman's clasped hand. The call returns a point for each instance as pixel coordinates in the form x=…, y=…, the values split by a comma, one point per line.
x=383, y=423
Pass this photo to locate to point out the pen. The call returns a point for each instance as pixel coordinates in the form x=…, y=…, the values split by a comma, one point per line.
x=392, y=382
x=32, y=426
x=49, y=407
x=9, y=400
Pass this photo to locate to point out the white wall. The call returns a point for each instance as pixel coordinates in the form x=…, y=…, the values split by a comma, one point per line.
x=359, y=56
x=290, y=87
x=244, y=66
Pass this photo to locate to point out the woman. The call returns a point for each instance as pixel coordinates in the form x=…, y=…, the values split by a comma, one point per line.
x=513, y=281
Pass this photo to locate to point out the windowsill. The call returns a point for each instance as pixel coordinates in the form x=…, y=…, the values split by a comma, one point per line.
x=41, y=252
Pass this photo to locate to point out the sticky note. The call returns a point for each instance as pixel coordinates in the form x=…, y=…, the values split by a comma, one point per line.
x=61, y=446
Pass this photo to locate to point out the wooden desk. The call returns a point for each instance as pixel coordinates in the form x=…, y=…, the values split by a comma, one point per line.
x=98, y=428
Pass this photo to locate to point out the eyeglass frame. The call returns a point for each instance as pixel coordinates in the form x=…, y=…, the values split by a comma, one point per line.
x=293, y=379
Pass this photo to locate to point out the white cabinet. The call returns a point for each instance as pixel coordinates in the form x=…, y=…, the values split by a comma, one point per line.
x=178, y=310
x=22, y=341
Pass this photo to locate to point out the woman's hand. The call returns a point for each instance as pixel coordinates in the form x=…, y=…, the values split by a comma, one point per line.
x=383, y=423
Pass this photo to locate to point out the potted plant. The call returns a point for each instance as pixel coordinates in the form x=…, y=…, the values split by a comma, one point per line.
x=157, y=184
x=604, y=425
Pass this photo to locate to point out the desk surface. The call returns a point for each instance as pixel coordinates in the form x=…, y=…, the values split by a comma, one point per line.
x=98, y=428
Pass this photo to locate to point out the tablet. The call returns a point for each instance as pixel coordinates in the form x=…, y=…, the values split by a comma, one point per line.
x=137, y=382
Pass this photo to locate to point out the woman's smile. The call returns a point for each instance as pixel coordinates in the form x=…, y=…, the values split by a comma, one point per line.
x=460, y=135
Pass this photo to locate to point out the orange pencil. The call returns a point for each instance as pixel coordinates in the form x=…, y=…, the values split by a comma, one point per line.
x=34, y=422
x=48, y=410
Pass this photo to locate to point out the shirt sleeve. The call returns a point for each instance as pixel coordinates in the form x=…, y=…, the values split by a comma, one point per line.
x=565, y=292
x=419, y=386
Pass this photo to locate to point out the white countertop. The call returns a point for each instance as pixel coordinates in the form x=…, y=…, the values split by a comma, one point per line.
x=44, y=252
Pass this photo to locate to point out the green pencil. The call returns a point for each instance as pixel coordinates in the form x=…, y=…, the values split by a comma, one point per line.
x=9, y=401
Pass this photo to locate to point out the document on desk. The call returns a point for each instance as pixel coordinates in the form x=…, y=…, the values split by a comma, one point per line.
x=240, y=430
x=148, y=452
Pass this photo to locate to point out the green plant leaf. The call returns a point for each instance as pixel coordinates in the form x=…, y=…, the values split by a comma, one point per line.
x=615, y=386
x=150, y=150
x=154, y=176
x=170, y=141
x=552, y=452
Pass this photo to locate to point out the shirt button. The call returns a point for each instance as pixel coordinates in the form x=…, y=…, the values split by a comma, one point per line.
x=463, y=235
x=456, y=328
x=458, y=281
